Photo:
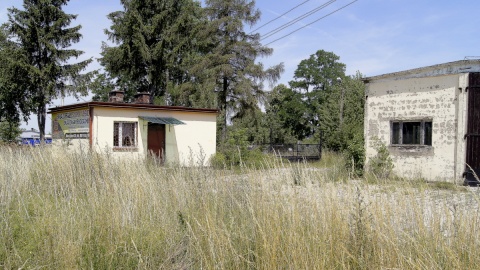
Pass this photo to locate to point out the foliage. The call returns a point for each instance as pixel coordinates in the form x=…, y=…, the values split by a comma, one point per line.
x=14, y=99
x=230, y=64
x=9, y=131
x=42, y=34
x=315, y=78
x=76, y=210
x=235, y=148
x=325, y=105
x=236, y=152
x=254, y=125
x=154, y=40
x=381, y=165
x=218, y=160
x=286, y=115
x=101, y=86
x=351, y=126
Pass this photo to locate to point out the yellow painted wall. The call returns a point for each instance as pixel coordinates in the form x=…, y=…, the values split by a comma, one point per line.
x=194, y=142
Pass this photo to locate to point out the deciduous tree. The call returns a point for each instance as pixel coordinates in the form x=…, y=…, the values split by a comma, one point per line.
x=315, y=78
x=287, y=115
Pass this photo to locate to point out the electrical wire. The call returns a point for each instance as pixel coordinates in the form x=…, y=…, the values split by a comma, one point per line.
x=299, y=18
x=335, y=11
x=297, y=6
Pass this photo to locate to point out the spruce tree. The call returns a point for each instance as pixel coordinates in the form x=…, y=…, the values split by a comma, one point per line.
x=231, y=61
x=153, y=40
x=42, y=32
x=14, y=99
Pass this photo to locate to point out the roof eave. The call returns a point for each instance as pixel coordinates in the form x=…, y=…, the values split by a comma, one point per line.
x=423, y=69
x=130, y=106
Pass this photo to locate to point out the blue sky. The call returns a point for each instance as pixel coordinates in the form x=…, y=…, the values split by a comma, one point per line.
x=371, y=36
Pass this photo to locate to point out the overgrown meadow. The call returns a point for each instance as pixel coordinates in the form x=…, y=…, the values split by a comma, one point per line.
x=66, y=210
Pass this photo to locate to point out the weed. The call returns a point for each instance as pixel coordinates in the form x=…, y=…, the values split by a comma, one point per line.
x=69, y=210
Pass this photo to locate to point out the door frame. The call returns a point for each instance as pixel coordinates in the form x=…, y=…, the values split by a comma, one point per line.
x=472, y=136
x=161, y=154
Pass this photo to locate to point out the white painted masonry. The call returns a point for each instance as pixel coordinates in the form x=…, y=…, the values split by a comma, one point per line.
x=434, y=93
x=188, y=144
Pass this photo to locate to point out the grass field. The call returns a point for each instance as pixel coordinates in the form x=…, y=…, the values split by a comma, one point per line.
x=66, y=210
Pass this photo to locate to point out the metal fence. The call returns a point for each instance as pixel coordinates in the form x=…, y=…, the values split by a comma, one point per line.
x=292, y=151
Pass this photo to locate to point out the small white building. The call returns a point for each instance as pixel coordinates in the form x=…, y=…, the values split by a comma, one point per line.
x=429, y=118
x=32, y=137
x=176, y=135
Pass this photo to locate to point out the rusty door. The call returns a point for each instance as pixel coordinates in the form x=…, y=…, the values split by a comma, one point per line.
x=473, y=129
x=156, y=140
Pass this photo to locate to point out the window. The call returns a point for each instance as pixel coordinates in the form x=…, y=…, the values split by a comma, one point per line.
x=125, y=135
x=411, y=132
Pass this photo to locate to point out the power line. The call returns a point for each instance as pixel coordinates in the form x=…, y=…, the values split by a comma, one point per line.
x=280, y=16
x=335, y=11
x=299, y=18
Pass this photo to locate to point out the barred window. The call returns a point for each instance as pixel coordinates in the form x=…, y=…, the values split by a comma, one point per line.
x=411, y=132
x=125, y=134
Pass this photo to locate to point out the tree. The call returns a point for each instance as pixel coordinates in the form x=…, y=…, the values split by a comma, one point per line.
x=351, y=130
x=231, y=62
x=316, y=78
x=286, y=115
x=101, y=86
x=335, y=105
x=153, y=41
x=41, y=31
x=14, y=100
x=9, y=131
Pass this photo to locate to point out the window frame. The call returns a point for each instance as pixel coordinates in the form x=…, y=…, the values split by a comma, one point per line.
x=119, y=133
x=397, y=126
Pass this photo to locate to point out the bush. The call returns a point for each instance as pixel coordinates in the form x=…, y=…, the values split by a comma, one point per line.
x=381, y=165
x=355, y=154
x=218, y=161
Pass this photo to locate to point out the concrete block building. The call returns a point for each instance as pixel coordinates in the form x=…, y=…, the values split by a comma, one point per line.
x=429, y=118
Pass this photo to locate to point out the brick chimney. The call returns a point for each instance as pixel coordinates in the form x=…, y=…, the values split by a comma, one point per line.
x=116, y=96
x=142, y=98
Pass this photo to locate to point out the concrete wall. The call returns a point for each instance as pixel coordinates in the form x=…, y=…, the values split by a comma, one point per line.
x=435, y=98
x=185, y=144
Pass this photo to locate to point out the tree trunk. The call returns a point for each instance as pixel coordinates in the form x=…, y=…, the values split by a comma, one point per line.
x=41, y=116
x=224, y=108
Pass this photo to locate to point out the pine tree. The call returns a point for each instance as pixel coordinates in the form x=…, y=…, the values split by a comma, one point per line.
x=231, y=61
x=43, y=34
x=154, y=39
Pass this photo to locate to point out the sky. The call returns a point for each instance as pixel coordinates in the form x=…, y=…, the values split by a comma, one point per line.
x=371, y=36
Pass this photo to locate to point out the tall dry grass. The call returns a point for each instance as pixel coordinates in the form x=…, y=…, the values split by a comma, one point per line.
x=67, y=210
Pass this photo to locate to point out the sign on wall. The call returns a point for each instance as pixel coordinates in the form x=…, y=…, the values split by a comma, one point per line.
x=71, y=125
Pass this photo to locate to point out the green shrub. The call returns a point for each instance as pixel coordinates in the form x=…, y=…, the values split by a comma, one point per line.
x=235, y=149
x=381, y=165
x=219, y=161
x=355, y=154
